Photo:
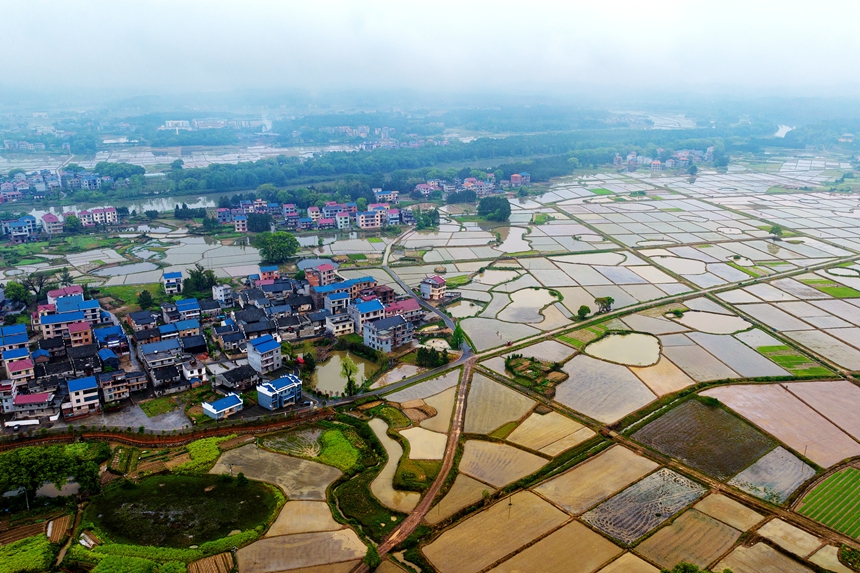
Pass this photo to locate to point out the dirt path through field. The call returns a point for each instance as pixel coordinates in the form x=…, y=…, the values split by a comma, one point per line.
x=414, y=519
x=65, y=548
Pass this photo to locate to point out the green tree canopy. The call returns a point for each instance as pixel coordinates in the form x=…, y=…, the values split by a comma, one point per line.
x=604, y=303
x=17, y=292
x=276, y=247
x=494, y=208
x=72, y=225
x=583, y=312
x=348, y=370
x=199, y=279
x=144, y=299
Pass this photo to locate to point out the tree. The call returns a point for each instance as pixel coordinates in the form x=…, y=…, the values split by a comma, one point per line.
x=300, y=276
x=30, y=467
x=122, y=211
x=494, y=208
x=259, y=222
x=348, y=370
x=310, y=363
x=38, y=283
x=65, y=278
x=693, y=170
x=241, y=480
x=224, y=202
x=276, y=247
x=583, y=312
x=211, y=224
x=177, y=164
x=144, y=299
x=17, y=292
x=151, y=214
x=458, y=336
x=776, y=231
x=72, y=225
x=199, y=279
x=371, y=558
x=604, y=303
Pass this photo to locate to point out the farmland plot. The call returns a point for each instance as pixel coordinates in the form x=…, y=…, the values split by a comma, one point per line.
x=601, y=390
x=443, y=403
x=572, y=549
x=497, y=464
x=737, y=355
x=594, y=480
x=424, y=390
x=828, y=557
x=299, y=479
x=643, y=506
x=789, y=537
x=782, y=415
x=490, y=405
x=692, y=538
x=464, y=492
x=835, y=502
x=663, y=378
x=382, y=485
x=276, y=554
x=303, y=517
x=728, y=511
x=539, y=431
x=760, y=558
x=706, y=438
x=424, y=444
x=698, y=363
x=837, y=401
x=486, y=537
x=629, y=563
x=774, y=477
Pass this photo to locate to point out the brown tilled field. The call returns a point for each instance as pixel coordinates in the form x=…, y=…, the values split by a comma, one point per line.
x=58, y=528
x=19, y=533
x=221, y=563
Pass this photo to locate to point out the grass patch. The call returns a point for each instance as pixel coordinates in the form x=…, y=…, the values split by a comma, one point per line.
x=176, y=511
x=374, y=240
x=394, y=417
x=415, y=475
x=357, y=257
x=33, y=554
x=355, y=502
x=203, y=453
x=576, y=343
x=601, y=191
x=540, y=218
x=459, y=281
x=127, y=294
x=337, y=451
x=504, y=431
x=672, y=210
x=159, y=406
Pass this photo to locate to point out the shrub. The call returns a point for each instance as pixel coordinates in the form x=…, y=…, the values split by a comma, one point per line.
x=117, y=564
x=31, y=554
x=203, y=454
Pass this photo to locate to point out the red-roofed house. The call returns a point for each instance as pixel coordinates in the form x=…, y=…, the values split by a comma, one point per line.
x=433, y=288
x=52, y=224
x=71, y=290
x=21, y=370
x=80, y=333
x=33, y=404
x=321, y=275
x=409, y=309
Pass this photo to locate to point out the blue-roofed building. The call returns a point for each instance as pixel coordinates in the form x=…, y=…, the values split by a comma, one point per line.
x=83, y=397
x=190, y=327
x=109, y=358
x=337, y=302
x=305, y=223
x=270, y=272
x=12, y=330
x=168, y=331
x=223, y=408
x=112, y=337
x=285, y=391
x=159, y=354
x=351, y=286
x=57, y=325
x=172, y=282
x=365, y=312
x=188, y=308
x=264, y=354
x=40, y=356
x=240, y=224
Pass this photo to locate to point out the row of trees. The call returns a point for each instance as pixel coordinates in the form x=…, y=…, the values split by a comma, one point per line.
x=431, y=358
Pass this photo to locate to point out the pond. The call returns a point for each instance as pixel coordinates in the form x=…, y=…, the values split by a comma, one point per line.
x=493, y=277
x=463, y=308
x=635, y=349
x=126, y=269
x=512, y=240
x=311, y=263
x=327, y=379
x=711, y=322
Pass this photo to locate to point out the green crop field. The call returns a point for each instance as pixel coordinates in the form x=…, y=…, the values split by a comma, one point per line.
x=601, y=191
x=836, y=502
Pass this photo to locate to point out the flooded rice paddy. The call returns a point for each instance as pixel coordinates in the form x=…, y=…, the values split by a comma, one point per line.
x=633, y=349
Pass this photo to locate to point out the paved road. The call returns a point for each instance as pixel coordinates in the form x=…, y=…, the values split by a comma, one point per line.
x=414, y=519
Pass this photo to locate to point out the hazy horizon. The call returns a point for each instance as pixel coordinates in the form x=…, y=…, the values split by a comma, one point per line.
x=730, y=49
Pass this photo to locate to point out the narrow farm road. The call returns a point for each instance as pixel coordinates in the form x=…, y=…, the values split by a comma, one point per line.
x=414, y=519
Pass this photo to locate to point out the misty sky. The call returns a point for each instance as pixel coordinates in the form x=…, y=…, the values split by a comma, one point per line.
x=753, y=46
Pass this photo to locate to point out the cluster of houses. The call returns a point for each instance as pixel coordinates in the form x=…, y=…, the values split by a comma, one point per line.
x=481, y=187
x=28, y=228
x=75, y=368
x=38, y=184
x=678, y=160
x=84, y=362
x=332, y=215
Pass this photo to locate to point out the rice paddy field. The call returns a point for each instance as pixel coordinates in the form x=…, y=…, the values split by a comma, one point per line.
x=774, y=477
x=491, y=405
x=835, y=502
x=707, y=438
